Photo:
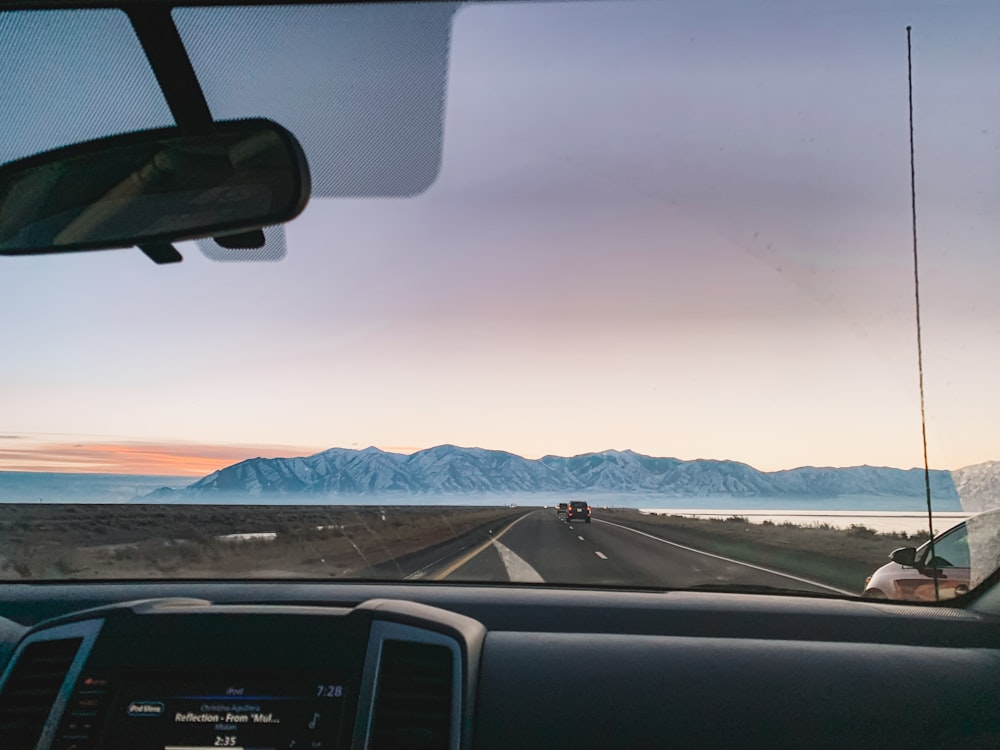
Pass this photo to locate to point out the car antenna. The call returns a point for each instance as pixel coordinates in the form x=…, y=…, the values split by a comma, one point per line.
x=916, y=298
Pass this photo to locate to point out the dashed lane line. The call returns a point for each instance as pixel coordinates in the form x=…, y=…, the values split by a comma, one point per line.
x=601, y=555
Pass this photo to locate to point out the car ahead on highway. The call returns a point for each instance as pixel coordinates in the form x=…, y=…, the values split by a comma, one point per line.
x=541, y=229
x=561, y=509
x=578, y=511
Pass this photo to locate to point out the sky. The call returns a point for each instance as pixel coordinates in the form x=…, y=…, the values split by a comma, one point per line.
x=677, y=228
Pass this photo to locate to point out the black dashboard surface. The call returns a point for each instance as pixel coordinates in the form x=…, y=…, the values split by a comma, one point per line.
x=534, y=667
x=554, y=609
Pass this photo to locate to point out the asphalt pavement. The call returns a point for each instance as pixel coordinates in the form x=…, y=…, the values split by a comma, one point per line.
x=542, y=547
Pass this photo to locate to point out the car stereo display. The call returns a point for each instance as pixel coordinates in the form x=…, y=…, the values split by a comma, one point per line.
x=240, y=714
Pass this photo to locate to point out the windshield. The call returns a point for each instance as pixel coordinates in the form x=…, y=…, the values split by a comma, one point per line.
x=587, y=293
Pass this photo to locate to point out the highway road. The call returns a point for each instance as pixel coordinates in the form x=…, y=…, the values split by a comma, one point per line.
x=540, y=547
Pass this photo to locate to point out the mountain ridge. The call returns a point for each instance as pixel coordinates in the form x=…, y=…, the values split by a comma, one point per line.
x=452, y=470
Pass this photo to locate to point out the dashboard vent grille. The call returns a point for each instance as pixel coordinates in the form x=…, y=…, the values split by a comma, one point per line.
x=83, y=713
x=413, y=698
x=32, y=689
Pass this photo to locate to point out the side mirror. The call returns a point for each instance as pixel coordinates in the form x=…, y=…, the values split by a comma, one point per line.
x=156, y=186
x=904, y=556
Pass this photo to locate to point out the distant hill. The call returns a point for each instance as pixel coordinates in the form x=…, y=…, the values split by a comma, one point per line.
x=447, y=469
x=73, y=487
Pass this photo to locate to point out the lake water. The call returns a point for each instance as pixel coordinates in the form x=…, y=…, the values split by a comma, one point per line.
x=853, y=503
x=881, y=521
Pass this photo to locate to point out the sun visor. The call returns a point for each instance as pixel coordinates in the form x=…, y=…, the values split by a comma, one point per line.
x=362, y=87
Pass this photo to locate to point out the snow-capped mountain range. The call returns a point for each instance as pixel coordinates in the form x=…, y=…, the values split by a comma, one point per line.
x=450, y=470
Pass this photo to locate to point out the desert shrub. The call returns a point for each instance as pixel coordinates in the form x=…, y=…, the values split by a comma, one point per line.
x=22, y=568
x=18, y=563
x=66, y=565
x=189, y=553
x=862, y=532
x=125, y=554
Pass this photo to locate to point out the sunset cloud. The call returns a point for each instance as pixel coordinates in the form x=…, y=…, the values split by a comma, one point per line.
x=128, y=457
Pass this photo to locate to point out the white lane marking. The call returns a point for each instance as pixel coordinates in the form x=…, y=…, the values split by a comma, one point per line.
x=518, y=569
x=580, y=538
x=442, y=574
x=601, y=555
x=570, y=528
x=731, y=560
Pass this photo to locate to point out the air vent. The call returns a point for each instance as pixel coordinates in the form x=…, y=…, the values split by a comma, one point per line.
x=83, y=713
x=31, y=690
x=413, y=698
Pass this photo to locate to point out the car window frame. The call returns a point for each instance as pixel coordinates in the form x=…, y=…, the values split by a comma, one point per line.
x=947, y=537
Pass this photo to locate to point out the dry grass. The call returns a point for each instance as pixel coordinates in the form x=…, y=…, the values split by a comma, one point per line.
x=181, y=541
x=837, y=557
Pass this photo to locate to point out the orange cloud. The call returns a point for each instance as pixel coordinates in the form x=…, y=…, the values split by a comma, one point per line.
x=167, y=459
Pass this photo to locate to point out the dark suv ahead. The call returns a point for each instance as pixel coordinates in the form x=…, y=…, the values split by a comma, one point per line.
x=561, y=509
x=578, y=510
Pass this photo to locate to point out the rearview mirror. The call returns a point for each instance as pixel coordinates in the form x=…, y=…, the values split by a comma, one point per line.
x=904, y=556
x=155, y=186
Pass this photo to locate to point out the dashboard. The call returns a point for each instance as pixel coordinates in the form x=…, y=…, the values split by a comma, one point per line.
x=315, y=666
